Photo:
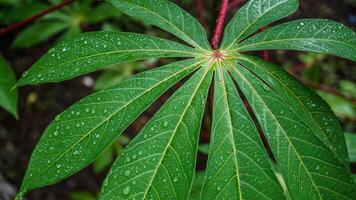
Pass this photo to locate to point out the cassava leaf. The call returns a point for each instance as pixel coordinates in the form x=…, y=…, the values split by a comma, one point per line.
x=309, y=168
x=167, y=16
x=312, y=109
x=254, y=15
x=315, y=35
x=160, y=162
x=238, y=165
x=79, y=134
x=8, y=97
x=88, y=52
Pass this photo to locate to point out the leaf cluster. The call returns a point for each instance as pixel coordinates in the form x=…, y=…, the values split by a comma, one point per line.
x=305, y=139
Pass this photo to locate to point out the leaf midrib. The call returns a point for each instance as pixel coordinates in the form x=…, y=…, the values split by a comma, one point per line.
x=230, y=134
x=124, y=106
x=242, y=48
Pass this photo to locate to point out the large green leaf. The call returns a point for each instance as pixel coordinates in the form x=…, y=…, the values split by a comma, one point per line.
x=167, y=16
x=160, y=162
x=316, y=35
x=8, y=97
x=312, y=109
x=254, y=15
x=309, y=168
x=89, y=51
x=79, y=134
x=238, y=166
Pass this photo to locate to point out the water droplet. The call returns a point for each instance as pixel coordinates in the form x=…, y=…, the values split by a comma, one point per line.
x=127, y=173
x=126, y=190
x=165, y=124
x=106, y=182
x=265, y=87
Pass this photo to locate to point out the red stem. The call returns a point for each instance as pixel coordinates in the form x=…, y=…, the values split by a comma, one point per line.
x=219, y=24
x=200, y=12
x=33, y=18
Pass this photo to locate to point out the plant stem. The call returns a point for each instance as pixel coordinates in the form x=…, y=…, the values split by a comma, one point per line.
x=33, y=18
x=219, y=24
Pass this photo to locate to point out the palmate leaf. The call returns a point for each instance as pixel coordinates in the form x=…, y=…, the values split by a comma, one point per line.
x=166, y=16
x=160, y=162
x=79, y=134
x=88, y=52
x=309, y=168
x=312, y=108
x=316, y=35
x=254, y=15
x=8, y=97
x=238, y=166
x=301, y=135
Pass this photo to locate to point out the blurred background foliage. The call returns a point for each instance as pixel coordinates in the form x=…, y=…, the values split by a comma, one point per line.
x=333, y=78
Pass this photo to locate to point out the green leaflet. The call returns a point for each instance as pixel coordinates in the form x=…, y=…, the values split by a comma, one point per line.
x=167, y=16
x=309, y=168
x=8, y=97
x=312, y=109
x=316, y=35
x=88, y=52
x=79, y=134
x=238, y=166
x=160, y=162
x=351, y=146
x=254, y=15
x=197, y=185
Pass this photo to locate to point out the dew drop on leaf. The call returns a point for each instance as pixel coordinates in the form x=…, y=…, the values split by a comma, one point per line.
x=126, y=190
x=127, y=173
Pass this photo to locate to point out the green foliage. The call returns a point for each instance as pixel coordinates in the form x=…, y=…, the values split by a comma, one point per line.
x=255, y=15
x=8, y=96
x=97, y=49
x=315, y=35
x=351, y=144
x=300, y=152
x=65, y=23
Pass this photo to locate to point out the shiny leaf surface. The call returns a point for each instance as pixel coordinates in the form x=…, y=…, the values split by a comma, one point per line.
x=79, y=134
x=88, y=52
x=315, y=35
